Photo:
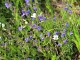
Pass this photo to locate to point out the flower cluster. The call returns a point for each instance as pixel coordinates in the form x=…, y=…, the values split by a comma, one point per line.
x=37, y=30
x=7, y=5
x=67, y=9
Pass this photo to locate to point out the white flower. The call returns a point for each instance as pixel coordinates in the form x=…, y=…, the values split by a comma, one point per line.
x=55, y=37
x=26, y=22
x=33, y=15
x=3, y=25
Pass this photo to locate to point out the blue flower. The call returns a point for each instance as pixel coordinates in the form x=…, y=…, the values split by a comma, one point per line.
x=20, y=28
x=56, y=33
x=67, y=24
x=7, y=5
x=28, y=58
x=40, y=17
x=27, y=2
x=30, y=37
x=38, y=28
x=26, y=39
x=35, y=8
x=23, y=13
x=27, y=12
x=65, y=41
x=41, y=35
x=54, y=18
x=34, y=26
x=66, y=8
x=70, y=11
x=48, y=33
x=63, y=35
x=44, y=18
x=59, y=44
x=4, y=44
x=71, y=33
x=42, y=38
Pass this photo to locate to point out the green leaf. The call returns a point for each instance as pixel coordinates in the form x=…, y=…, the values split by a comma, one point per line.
x=2, y=19
x=53, y=57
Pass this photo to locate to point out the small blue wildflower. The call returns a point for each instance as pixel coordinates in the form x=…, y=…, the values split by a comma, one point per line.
x=23, y=13
x=30, y=37
x=35, y=8
x=34, y=26
x=11, y=3
x=56, y=33
x=59, y=45
x=48, y=33
x=7, y=5
x=26, y=39
x=44, y=18
x=65, y=41
x=20, y=28
x=41, y=35
x=27, y=2
x=71, y=33
x=63, y=35
x=66, y=8
x=4, y=44
x=27, y=12
x=70, y=11
x=40, y=17
x=38, y=28
x=54, y=18
x=67, y=24
x=42, y=38
x=28, y=58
